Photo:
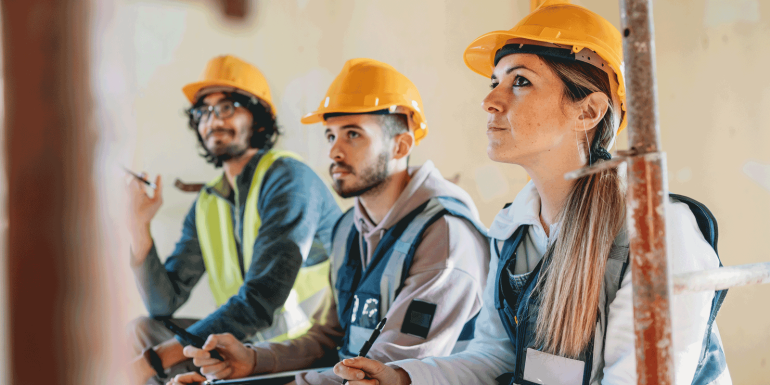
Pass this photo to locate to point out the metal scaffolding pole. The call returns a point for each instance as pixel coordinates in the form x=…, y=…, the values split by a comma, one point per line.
x=647, y=194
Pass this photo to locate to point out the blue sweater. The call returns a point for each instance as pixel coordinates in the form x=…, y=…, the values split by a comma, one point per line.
x=296, y=208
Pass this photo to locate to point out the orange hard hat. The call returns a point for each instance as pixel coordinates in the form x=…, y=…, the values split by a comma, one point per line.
x=229, y=72
x=556, y=23
x=367, y=85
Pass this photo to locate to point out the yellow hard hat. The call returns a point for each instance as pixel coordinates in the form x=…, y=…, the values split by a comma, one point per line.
x=558, y=23
x=229, y=72
x=367, y=85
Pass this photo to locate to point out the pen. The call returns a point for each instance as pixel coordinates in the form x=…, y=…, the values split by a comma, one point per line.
x=189, y=337
x=147, y=182
x=368, y=344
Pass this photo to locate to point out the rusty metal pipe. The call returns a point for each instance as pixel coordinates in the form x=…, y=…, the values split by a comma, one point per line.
x=646, y=200
x=722, y=278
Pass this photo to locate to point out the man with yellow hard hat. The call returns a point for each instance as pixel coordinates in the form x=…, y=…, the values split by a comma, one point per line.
x=261, y=230
x=410, y=250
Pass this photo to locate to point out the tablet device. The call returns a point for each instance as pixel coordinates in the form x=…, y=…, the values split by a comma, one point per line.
x=281, y=378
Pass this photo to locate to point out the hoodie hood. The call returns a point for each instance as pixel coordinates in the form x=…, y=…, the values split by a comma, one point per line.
x=426, y=183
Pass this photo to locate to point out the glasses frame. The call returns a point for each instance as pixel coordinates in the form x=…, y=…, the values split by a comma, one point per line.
x=205, y=111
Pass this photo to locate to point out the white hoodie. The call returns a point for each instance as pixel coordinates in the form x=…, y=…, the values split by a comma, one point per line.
x=491, y=353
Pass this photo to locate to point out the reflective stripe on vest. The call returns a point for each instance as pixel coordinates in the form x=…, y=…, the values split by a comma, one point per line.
x=518, y=308
x=220, y=255
x=364, y=296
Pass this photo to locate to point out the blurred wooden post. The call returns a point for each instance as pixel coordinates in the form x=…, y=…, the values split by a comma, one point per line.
x=49, y=143
x=235, y=9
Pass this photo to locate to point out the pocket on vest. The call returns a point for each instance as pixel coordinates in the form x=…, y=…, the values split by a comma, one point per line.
x=358, y=336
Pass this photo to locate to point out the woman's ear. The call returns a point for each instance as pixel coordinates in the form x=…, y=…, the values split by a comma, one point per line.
x=403, y=145
x=591, y=111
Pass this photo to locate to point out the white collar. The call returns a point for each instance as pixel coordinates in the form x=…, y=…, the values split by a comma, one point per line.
x=525, y=210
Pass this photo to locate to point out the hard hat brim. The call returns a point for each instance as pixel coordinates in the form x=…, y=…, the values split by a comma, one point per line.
x=191, y=90
x=318, y=115
x=479, y=56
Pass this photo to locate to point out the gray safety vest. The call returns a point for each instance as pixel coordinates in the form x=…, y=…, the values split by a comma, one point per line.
x=364, y=296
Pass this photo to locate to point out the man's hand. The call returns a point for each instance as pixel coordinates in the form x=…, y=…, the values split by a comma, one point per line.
x=363, y=371
x=239, y=360
x=141, y=210
x=187, y=378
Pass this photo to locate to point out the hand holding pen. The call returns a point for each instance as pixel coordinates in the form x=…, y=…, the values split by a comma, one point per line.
x=368, y=344
x=141, y=209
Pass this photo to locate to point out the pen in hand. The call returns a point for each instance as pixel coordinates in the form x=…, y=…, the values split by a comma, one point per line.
x=368, y=344
x=145, y=181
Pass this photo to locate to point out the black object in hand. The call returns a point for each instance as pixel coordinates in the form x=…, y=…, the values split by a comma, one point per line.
x=368, y=344
x=192, y=339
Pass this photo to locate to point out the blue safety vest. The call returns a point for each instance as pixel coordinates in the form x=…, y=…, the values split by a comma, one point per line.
x=518, y=305
x=364, y=296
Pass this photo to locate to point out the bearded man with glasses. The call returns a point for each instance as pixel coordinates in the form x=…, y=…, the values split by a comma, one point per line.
x=261, y=230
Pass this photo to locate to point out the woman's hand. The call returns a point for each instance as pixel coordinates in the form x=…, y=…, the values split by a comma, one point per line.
x=187, y=378
x=239, y=359
x=363, y=371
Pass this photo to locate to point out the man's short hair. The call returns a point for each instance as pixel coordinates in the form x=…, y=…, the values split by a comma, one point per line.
x=264, y=129
x=391, y=124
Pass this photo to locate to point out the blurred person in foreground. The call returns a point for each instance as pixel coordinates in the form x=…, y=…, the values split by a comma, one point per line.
x=261, y=230
x=411, y=249
x=558, y=307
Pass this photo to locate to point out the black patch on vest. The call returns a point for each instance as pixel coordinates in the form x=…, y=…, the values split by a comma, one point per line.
x=419, y=316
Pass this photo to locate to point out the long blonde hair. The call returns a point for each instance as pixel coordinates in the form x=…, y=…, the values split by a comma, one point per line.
x=592, y=215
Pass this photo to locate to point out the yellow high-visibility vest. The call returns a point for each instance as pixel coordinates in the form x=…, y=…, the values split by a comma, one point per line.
x=217, y=241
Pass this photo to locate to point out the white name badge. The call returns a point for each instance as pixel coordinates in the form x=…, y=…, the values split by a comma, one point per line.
x=548, y=369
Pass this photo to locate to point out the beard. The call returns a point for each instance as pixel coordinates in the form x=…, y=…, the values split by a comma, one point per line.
x=225, y=152
x=370, y=180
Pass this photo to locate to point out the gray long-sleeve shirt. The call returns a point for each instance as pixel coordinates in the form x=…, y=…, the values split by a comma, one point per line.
x=297, y=212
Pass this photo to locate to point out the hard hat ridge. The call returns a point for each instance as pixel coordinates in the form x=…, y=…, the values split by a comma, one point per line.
x=370, y=86
x=228, y=73
x=557, y=24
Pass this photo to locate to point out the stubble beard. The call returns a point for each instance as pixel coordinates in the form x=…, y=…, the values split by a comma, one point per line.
x=372, y=180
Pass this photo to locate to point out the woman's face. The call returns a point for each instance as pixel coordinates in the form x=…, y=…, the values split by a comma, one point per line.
x=528, y=120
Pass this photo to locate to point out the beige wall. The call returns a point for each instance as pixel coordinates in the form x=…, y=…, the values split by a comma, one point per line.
x=714, y=96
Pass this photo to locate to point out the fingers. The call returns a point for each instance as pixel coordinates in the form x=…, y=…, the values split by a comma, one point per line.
x=200, y=357
x=224, y=340
x=372, y=367
x=206, y=362
x=193, y=352
x=220, y=375
x=348, y=373
x=159, y=189
x=186, y=378
x=218, y=371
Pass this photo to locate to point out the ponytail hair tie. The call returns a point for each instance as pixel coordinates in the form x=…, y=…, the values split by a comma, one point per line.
x=599, y=152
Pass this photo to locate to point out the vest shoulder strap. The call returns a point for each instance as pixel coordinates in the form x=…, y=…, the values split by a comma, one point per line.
x=340, y=233
x=251, y=219
x=400, y=261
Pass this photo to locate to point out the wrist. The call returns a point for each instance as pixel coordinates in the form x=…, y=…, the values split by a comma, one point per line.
x=153, y=365
x=403, y=376
x=140, y=248
x=171, y=353
x=263, y=359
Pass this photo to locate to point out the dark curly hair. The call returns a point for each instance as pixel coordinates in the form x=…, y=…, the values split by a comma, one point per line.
x=264, y=130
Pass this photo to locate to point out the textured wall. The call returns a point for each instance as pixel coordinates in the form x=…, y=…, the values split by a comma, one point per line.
x=714, y=99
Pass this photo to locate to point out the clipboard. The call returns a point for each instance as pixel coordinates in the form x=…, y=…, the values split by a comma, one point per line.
x=281, y=378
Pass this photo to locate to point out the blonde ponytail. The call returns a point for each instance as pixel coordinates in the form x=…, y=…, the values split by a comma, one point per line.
x=592, y=215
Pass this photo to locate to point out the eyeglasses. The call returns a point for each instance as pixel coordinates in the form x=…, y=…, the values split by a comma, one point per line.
x=223, y=110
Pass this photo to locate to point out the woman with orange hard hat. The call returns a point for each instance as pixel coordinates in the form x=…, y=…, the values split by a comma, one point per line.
x=558, y=302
